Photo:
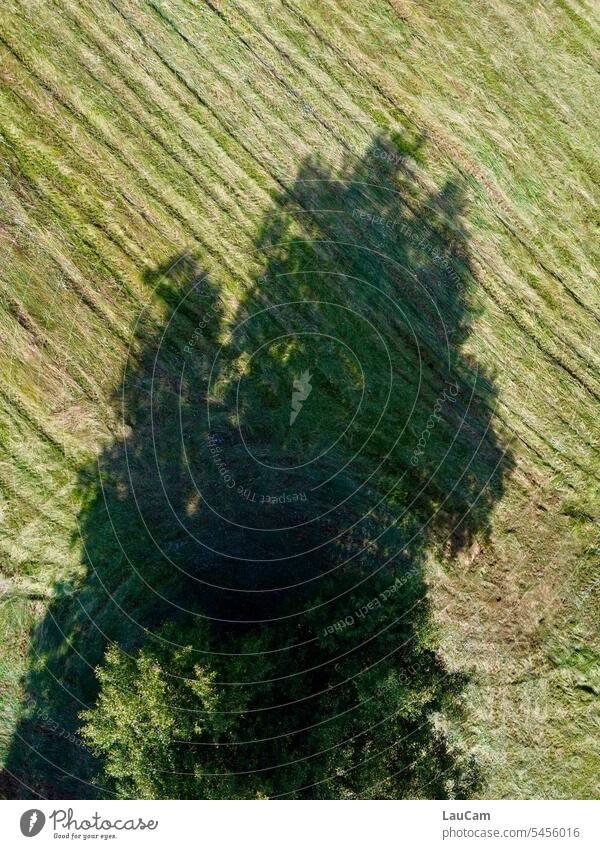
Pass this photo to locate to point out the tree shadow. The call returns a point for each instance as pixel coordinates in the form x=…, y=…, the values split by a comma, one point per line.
x=285, y=471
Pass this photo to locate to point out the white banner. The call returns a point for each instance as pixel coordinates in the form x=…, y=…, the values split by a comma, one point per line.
x=298, y=825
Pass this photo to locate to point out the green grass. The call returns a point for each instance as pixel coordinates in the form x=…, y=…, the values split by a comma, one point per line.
x=133, y=131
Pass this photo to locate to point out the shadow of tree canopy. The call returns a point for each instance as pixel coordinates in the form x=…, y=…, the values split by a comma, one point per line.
x=256, y=538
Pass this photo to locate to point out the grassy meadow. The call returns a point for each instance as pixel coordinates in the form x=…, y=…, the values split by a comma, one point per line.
x=202, y=201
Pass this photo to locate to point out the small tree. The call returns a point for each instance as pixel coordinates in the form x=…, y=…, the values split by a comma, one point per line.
x=145, y=718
